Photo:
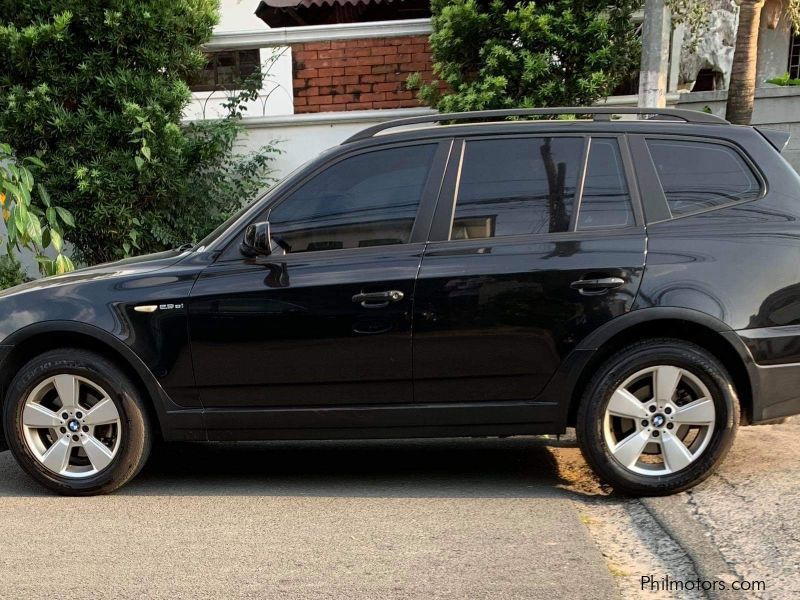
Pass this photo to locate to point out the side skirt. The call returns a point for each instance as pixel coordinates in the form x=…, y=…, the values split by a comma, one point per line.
x=399, y=421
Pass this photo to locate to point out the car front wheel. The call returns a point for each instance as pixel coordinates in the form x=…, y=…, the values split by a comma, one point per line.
x=76, y=423
x=658, y=417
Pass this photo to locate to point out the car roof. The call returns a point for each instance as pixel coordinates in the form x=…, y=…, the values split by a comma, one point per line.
x=578, y=126
x=604, y=119
x=501, y=118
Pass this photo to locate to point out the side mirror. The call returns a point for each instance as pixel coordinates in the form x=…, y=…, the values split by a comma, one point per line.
x=257, y=240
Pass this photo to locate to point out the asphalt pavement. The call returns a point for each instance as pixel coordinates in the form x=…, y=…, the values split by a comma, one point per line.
x=383, y=519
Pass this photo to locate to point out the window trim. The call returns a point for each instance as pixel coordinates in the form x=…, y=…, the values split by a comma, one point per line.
x=656, y=199
x=430, y=193
x=630, y=183
x=794, y=52
x=441, y=229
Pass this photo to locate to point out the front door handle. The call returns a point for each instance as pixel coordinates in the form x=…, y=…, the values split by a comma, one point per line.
x=595, y=287
x=378, y=299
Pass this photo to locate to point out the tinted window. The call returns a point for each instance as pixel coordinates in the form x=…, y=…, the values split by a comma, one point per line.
x=517, y=186
x=697, y=176
x=605, y=203
x=366, y=200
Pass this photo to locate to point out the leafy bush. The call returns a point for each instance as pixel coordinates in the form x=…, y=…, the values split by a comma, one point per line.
x=531, y=54
x=11, y=272
x=784, y=80
x=96, y=92
x=32, y=220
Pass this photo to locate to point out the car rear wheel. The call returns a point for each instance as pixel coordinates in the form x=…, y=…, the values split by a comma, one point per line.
x=658, y=417
x=76, y=423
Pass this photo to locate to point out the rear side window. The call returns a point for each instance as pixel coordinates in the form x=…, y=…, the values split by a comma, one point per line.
x=697, y=176
x=517, y=186
x=606, y=202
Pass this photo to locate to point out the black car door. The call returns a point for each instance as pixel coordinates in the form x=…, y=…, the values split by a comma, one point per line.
x=326, y=320
x=543, y=245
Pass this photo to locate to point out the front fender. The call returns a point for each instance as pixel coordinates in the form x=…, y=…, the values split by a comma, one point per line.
x=171, y=415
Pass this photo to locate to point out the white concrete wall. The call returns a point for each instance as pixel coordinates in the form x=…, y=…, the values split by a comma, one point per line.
x=238, y=15
x=773, y=44
x=302, y=137
x=276, y=96
x=775, y=107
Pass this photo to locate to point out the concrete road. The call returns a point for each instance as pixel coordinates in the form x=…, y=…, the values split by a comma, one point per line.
x=741, y=524
x=750, y=509
x=399, y=519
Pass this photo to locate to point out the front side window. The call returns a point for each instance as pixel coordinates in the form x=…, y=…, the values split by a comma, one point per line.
x=517, y=186
x=697, y=176
x=605, y=202
x=366, y=200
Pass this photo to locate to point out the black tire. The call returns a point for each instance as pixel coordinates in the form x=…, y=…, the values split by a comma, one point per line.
x=614, y=372
x=136, y=438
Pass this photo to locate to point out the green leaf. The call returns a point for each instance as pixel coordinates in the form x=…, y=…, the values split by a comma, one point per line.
x=34, y=161
x=11, y=227
x=12, y=190
x=43, y=194
x=25, y=194
x=55, y=239
x=26, y=178
x=146, y=152
x=139, y=162
x=33, y=229
x=66, y=216
x=51, y=215
x=47, y=237
x=20, y=224
x=62, y=264
x=21, y=208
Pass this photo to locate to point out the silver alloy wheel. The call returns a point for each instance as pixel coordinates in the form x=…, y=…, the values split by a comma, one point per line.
x=659, y=420
x=72, y=426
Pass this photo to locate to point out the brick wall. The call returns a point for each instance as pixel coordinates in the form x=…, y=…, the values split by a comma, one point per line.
x=358, y=74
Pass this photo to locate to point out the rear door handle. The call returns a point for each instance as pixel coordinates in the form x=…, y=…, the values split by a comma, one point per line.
x=595, y=287
x=378, y=299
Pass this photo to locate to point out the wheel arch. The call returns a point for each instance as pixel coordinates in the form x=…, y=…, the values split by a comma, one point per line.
x=37, y=338
x=683, y=324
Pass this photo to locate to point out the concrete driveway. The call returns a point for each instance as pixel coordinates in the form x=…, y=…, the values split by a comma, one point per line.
x=398, y=519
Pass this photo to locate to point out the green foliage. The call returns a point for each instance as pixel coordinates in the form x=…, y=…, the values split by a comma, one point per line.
x=95, y=89
x=499, y=54
x=11, y=272
x=784, y=80
x=33, y=221
x=694, y=15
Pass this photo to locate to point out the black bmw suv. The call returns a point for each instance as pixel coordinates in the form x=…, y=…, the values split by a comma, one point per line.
x=638, y=279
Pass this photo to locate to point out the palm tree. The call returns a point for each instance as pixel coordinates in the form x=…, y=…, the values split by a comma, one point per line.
x=742, y=87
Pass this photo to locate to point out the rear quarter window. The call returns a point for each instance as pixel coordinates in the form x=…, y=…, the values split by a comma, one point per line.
x=697, y=176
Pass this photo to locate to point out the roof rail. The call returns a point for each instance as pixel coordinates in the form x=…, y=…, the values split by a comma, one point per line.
x=600, y=113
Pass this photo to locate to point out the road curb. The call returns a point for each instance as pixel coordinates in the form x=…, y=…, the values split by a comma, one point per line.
x=673, y=517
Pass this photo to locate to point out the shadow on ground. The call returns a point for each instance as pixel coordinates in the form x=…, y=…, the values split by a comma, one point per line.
x=480, y=468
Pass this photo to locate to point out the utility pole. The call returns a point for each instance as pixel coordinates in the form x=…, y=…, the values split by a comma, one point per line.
x=655, y=55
